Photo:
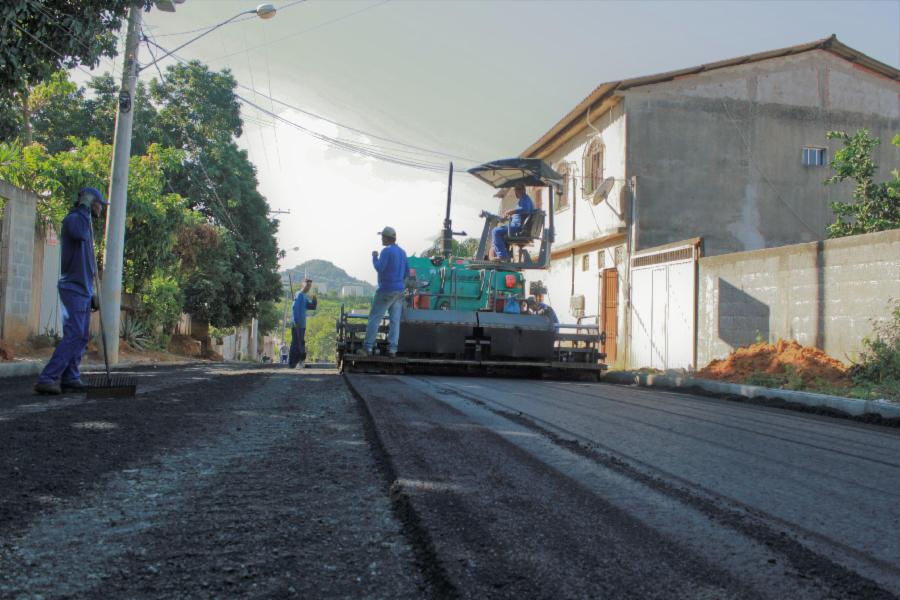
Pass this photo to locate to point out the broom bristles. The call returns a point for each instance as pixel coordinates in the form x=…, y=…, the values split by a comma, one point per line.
x=115, y=386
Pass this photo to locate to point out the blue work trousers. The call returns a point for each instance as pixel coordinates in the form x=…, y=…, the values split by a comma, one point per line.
x=298, y=346
x=392, y=304
x=498, y=235
x=63, y=365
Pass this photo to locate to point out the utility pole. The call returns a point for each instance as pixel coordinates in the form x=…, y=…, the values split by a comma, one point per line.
x=118, y=190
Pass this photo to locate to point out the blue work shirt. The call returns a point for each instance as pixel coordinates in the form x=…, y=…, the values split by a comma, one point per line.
x=301, y=304
x=522, y=210
x=392, y=268
x=76, y=273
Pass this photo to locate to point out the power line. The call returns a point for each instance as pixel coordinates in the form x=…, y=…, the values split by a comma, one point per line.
x=362, y=132
x=380, y=153
x=247, y=18
x=302, y=31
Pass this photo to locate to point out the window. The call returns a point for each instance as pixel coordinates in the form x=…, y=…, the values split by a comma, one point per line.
x=813, y=157
x=601, y=260
x=586, y=262
x=593, y=167
x=561, y=200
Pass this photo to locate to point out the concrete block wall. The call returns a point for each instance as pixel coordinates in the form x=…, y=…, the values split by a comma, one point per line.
x=16, y=263
x=825, y=294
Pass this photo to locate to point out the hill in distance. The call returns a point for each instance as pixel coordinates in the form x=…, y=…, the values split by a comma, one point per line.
x=323, y=271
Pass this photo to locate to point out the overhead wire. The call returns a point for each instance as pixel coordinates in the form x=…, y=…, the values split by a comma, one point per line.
x=389, y=155
x=385, y=154
x=247, y=18
x=302, y=31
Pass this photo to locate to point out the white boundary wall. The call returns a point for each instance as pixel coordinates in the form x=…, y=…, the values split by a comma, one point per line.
x=824, y=294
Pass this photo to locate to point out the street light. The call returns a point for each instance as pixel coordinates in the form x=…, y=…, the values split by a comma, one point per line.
x=118, y=185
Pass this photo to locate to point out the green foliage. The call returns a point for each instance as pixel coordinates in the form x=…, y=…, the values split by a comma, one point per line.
x=133, y=331
x=32, y=169
x=32, y=33
x=879, y=365
x=186, y=172
x=875, y=206
x=788, y=379
x=161, y=303
x=154, y=217
x=321, y=326
x=465, y=249
x=269, y=317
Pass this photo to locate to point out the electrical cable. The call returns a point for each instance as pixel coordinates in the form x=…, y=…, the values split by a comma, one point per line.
x=419, y=149
x=247, y=18
x=302, y=31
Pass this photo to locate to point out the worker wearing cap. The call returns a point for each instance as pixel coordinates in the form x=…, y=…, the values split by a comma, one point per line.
x=76, y=291
x=302, y=303
x=392, y=268
x=516, y=216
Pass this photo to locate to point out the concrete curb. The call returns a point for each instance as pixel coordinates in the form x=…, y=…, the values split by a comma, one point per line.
x=22, y=368
x=850, y=406
x=33, y=368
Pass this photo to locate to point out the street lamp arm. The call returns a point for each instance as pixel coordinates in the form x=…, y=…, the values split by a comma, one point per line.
x=194, y=39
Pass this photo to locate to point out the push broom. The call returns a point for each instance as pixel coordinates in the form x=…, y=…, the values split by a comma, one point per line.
x=120, y=386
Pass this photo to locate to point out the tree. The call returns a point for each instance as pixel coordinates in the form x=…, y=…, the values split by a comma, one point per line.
x=875, y=206
x=38, y=38
x=464, y=249
x=154, y=216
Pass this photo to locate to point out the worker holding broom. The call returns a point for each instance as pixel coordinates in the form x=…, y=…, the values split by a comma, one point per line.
x=76, y=291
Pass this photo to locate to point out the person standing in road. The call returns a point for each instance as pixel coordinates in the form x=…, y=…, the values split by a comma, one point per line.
x=76, y=291
x=392, y=268
x=516, y=216
x=302, y=303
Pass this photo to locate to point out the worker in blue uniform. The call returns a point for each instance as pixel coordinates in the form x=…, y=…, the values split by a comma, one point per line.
x=392, y=267
x=516, y=216
x=76, y=291
x=302, y=303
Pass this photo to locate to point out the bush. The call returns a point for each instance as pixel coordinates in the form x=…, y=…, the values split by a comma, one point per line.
x=161, y=306
x=133, y=331
x=879, y=364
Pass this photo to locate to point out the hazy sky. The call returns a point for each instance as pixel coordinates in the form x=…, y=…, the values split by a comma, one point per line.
x=480, y=80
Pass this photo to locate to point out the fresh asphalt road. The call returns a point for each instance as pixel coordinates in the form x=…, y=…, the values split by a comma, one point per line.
x=518, y=488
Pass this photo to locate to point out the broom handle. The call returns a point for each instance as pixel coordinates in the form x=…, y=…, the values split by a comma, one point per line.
x=97, y=283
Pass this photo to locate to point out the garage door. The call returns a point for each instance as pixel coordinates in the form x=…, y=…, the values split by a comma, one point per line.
x=663, y=295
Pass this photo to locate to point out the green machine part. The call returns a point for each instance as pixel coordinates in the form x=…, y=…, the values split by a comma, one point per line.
x=449, y=284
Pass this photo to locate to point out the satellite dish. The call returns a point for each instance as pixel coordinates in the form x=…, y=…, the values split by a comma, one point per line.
x=606, y=187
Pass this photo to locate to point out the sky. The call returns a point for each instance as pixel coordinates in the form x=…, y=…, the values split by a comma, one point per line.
x=475, y=79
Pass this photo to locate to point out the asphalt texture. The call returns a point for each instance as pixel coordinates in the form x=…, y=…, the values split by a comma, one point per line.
x=536, y=489
x=213, y=482
x=227, y=481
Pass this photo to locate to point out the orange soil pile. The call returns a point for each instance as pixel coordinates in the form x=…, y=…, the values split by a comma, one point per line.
x=810, y=364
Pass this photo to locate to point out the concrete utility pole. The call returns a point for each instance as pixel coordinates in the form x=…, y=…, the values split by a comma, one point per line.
x=118, y=191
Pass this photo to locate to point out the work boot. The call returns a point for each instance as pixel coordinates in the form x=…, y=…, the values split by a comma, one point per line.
x=51, y=389
x=363, y=352
x=73, y=386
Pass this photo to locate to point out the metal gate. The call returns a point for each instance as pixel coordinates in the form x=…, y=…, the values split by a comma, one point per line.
x=663, y=308
x=609, y=316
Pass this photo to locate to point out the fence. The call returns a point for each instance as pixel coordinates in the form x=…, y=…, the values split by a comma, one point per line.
x=825, y=294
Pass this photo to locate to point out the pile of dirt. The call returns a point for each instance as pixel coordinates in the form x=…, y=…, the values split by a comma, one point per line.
x=6, y=352
x=781, y=362
x=184, y=346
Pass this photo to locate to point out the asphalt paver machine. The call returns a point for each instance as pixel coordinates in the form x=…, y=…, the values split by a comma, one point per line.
x=471, y=315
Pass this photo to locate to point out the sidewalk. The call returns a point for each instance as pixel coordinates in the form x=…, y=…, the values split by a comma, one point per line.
x=849, y=406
